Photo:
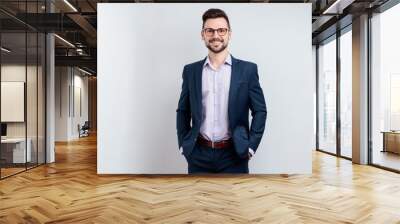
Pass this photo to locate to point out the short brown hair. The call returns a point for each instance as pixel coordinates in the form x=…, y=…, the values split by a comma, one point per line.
x=215, y=13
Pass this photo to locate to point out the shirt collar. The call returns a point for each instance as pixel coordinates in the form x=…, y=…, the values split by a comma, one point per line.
x=228, y=60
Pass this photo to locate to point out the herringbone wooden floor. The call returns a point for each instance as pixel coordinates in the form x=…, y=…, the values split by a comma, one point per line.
x=70, y=191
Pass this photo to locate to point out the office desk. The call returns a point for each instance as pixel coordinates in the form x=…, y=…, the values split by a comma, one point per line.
x=391, y=141
x=13, y=150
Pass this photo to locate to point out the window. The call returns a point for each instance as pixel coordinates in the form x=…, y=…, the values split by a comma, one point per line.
x=346, y=93
x=327, y=96
x=385, y=88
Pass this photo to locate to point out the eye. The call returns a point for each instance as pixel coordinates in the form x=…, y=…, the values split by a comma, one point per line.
x=222, y=31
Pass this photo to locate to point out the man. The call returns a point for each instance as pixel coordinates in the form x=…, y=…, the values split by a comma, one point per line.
x=217, y=93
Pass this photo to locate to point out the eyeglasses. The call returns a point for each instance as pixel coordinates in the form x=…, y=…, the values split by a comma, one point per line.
x=210, y=31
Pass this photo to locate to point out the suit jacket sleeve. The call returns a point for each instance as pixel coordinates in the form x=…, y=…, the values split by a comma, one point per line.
x=258, y=110
x=183, y=113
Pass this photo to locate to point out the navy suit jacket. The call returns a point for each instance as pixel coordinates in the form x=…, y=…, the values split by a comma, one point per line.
x=245, y=93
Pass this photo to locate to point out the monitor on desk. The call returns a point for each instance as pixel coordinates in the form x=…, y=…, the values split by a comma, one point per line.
x=3, y=130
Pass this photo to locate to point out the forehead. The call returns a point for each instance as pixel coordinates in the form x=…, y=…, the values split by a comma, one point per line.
x=219, y=22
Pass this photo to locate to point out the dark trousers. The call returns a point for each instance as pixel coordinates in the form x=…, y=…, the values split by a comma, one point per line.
x=205, y=159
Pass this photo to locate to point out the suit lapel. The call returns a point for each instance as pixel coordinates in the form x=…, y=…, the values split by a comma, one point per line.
x=198, y=84
x=235, y=74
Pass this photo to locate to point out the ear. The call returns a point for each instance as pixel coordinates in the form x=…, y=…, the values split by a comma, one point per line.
x=201, y=34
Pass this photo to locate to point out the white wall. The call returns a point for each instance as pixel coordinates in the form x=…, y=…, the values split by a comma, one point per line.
x=142, y=49
x=68, y=81
x=61, y=103
x=79, y=117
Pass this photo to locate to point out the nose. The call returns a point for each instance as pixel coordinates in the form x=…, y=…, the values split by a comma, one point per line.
x=215, y=34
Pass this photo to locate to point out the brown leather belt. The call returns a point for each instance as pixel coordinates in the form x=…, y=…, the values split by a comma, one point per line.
x=216, y=145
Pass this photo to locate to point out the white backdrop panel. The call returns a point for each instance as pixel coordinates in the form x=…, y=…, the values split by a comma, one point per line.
x=142, y=49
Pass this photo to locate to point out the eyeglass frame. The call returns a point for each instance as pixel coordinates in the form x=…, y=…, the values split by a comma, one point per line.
x=215, y=30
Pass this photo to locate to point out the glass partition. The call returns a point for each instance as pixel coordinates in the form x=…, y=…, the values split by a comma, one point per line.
x=22, y=101
x=327, y=96
x=13, y=110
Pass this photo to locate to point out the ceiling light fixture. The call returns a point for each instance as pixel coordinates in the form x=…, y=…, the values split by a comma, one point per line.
x=5, y=50
x=70, y=5
x=337, y=7
x=64, y=40
x=84, y=71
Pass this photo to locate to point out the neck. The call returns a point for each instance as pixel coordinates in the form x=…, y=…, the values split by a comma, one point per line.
x=218, y=58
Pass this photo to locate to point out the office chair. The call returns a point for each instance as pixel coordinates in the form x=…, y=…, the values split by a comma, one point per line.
x=84, y=130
